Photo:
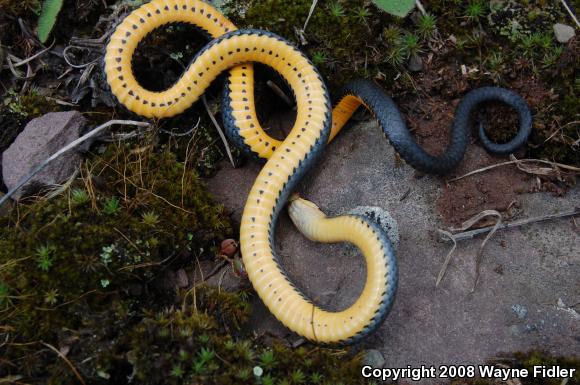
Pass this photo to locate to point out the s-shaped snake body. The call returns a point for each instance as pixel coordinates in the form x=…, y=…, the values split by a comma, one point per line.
x=288, y=160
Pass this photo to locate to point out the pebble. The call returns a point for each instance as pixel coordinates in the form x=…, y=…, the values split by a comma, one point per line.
x=181, y=278
x=374, y=358
x=415, y=63
x=41, y=138
x=563, y=32
x=520, y=311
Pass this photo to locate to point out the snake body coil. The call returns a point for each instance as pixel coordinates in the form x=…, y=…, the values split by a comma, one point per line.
x=288, y=160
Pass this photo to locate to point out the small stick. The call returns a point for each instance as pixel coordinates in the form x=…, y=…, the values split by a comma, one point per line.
x=22, y=62
x=571, y=13
x=278, y=91
x=66, y=148
x=70, y=364
x=467, y=224
x=65, y=57
x=517, y=161
x=472, y=233
x=219, y=130
x=314, y=2
x=182, y=133
x=420, y=7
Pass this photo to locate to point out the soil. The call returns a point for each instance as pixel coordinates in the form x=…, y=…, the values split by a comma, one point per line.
x=430, y=117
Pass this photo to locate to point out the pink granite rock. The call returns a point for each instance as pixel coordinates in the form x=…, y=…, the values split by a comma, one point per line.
x=41, y=138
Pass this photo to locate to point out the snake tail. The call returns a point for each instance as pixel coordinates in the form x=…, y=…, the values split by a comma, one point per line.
x=368, y=94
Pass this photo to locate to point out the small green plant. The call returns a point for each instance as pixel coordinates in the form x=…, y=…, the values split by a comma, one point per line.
x=267, y=380
x=392, y=35
x=396, y=56
x=316, y=378
x=203, y=338
x=267, y=359
x=12, y=99
x=426, y=25
x=206, y=354
x=361, y=14
x=336, y=9
x=44, y=255
x=244, y=374
x=107, y=254
x=318, y=58
x=494, y=61
x=112, y=206
x=185, y=332
x=229, y=345
x=245, y=351
x=474, y=11
x=411, y=44
x=298, y=377
x=79, y=196
x=527, y=44
x=150, y=218
x=541, y=40
x=51, y=297
x=200, y=365
x=183, y=355
x=47, y=19
x=177, y=371
x=552, y=56
x=204, y=357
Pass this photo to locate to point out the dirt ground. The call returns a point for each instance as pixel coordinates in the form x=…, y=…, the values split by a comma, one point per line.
x=528, y=292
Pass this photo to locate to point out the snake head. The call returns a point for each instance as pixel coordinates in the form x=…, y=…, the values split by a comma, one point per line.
x=304, y=215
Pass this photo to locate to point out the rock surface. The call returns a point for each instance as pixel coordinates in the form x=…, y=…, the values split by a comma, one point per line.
x=563, y=32
x=533, y=266
x=415, y=63
x=374, y=358
x=41, y=138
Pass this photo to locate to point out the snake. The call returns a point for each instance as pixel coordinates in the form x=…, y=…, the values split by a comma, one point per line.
x=233, y=50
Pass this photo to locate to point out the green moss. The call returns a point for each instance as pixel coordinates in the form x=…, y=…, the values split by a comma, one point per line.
x=66, y=262
x=30, y=104
x=344, y=31
x=91, y=282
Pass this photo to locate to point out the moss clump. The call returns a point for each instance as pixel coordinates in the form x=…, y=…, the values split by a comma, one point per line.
x=71, y=262
x=28, y=105
x=84, y=273
x=341, y=35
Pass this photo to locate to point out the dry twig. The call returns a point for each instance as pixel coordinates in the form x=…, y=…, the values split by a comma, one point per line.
x=314, y=2
x=219, y=129
x=278, y=91
x=473, y=233
x=570, y=13
x=466, y=225
x=521, y=163
x=70, y=364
